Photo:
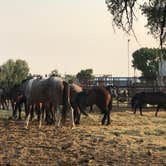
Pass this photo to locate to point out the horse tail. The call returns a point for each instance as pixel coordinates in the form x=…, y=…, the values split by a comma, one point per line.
x=132, y=102
x=135, y=101
x=110, y=103
x=66, y=99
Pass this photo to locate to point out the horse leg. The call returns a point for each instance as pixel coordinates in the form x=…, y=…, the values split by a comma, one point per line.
x=19, y=108
x=47, y=117
x=51, y=112
x=77, y=121
x=108, y=117
x=91, y=108
x=109, y=111
x=40, y=114
x=26, y=109
x=3, y=106
x=32, y=112
x=77, y=114
x=104, y=117
x=58, y=116
x=15, y=107
x=7, y=106
x=135, y=110
x=28, y=117
x=43, y=112
x=157, y=110
x=72, y=124
x=12, y=104
x=140, y=109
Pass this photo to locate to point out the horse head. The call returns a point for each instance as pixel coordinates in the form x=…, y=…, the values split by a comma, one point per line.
x=82, y=100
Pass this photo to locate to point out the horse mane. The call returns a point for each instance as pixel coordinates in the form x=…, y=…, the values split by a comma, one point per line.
x=27, y=79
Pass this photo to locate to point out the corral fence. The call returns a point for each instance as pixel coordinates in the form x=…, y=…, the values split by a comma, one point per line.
x=124, y=88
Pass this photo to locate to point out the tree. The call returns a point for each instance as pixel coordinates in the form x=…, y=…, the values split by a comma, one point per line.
x=13, y=72
x=69, y=77
x=147, y=61
x=85, y=75
x=55, y=73
x=123, y=12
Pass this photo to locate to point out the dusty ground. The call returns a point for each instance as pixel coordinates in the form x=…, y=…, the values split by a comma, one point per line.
x=129, y=140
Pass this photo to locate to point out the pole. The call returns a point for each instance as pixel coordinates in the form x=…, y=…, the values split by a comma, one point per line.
x=128, y=59
x=128, y=52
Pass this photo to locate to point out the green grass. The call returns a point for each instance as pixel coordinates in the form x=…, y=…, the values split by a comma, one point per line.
x=5, y=114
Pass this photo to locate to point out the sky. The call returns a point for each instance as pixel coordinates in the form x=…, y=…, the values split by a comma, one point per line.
x=67, y=36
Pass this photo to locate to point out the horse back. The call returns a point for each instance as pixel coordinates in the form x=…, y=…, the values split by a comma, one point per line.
x=153, y=98
x=100, y=96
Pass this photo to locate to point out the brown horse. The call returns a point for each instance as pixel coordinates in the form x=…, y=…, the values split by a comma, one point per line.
x=74, y=91
x=18, y=98
x=3, y=101
x=98, y=96
x=51, y=92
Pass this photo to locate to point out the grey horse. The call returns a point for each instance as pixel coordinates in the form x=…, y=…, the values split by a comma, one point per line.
x=52, y=92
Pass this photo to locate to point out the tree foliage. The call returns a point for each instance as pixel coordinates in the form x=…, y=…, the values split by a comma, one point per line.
x=13, y=72
x=70, y=78
x=85, y=75
x=55, y=73
x=147, y=61
x=155, y=11
x=123, y=12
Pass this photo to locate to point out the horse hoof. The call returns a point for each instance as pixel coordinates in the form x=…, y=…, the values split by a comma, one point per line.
x=73, y=127
x=102, y=122
x=77, y=122
x=25, y=127
x=10, y=118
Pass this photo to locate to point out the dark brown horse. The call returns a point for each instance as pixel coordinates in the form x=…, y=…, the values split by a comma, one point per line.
x=74, y=91
x=100, y=97
x=51, y=92
x=18, y=98
x=3, y=101
x=152, y=98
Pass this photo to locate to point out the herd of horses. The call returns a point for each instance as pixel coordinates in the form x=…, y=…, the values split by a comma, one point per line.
x=52, y=99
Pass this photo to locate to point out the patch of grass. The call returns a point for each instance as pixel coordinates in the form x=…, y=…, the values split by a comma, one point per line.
x=159, y=121
x=126, y=132
x=156, y=132
x=157, y=148
x=5, y=114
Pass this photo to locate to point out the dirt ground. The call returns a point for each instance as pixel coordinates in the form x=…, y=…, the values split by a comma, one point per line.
x=129, y=140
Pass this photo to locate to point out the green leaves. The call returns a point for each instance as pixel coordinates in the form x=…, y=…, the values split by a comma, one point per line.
x=154, y=10
x=13, y=72
x=146, y=60
x=85, y=75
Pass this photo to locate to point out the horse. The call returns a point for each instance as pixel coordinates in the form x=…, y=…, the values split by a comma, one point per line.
x=74, y=91
x=18, y=98
x=98, y=96
x=152, y=98
x=52, y=92
x=3, y=102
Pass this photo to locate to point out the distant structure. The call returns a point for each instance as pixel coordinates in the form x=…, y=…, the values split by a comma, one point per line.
x=107, y=79
x=162, y=73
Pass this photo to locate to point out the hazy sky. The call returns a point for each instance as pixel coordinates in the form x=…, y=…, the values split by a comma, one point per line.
x=68, y=35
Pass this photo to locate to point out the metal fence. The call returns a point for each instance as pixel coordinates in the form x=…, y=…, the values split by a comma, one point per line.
x=124, y=87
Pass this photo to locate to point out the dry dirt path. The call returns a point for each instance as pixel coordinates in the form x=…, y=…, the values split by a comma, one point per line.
x=129, y=140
